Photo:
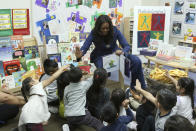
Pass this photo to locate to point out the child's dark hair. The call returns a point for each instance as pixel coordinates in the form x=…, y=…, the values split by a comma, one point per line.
x=188, y=85
x=178, y=123
x=50, y=66
x=109, y=112
x=99, y=81
x=75, y=74
x=26, y=88
x=117, y=97
x=62, y=82
x=167, y=99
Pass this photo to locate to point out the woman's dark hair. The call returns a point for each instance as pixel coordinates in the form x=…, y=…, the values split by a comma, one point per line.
x=50, y=66
x=117, y=97
x=188, y=85
x=26, y=88
x=96, y=31
x=62, y=82
x=178, y=123
x=109, y=113
x=99, y=81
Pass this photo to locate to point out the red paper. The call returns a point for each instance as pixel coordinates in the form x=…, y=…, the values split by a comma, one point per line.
x=24, y=31
x=85, y=68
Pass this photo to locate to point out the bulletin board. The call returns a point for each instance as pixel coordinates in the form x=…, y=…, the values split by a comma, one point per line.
x=183, y=17
x=151, y=24
x=60, y=17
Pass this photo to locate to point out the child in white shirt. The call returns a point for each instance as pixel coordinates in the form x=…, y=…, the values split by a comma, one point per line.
x=36, y=108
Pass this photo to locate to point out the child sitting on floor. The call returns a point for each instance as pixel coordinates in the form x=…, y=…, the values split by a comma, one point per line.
x=75, y=101
x=36, y=108
x=98, y=94
x=165, y=100
x=185, y=102
x=115, y=122
x=50, y=67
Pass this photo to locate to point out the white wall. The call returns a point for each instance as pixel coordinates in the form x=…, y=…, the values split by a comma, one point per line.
x=17, y=4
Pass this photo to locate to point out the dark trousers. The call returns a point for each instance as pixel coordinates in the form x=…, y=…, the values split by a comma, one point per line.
x=149, y=124
x=8, y=112
x=136, y=71
x=87, y=120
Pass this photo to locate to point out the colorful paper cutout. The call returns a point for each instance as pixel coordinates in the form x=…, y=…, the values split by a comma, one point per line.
x=144, y=22
x=158, y=35
x=143, y=39
x=98, y=3
x=158, y=22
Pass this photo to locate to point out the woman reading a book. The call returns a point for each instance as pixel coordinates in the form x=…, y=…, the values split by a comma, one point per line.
x=104, y=36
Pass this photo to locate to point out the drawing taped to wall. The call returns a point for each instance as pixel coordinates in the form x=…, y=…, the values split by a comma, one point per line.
x=190, y=17
x=179, y=7
x=177, y=28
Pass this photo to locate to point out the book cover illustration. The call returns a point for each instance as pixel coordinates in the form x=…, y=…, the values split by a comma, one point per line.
x=74, y=37
x=51, y=48
x=23, y=63
x=17, y=42
x=83, y=36
x=66, y=58
x=34, y=64
x=18, y=54
x=2, y=74
x=53, y=39
x=8, y=82
x=64, y=47
x=6, y=53
x=55, y=57
x=11, y=66
x=31, y=74
x=18, y=77
x=5, y=41
x=111, y=62
x=31, y=52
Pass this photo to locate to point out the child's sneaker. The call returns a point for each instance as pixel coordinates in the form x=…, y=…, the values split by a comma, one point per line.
x=65, y=127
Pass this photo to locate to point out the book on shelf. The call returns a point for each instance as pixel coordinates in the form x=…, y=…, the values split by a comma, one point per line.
x=31, y=52
x=18, y=78
x=2, y=74
x=35, y=64
x=11, y=66
x=6, y=53
x=53, y=39
x=17, y=42
x=7, y=82
x=5, y=41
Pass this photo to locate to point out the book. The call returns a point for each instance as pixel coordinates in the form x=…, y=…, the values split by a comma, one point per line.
x=35, y=64
x=83, y=36
x=56, y=57
x=74, y=37
x=18, y=54
x=64, y=47
x=6, y=53
x=51, y=48
x=85, y=68
x=67, y=58
x=11, y=66
x=31, y=52
x=8, y=82
x=5, y=41
x=53, y=39
x=18, y=78
x=31, y=74
x=17, y=42
x=2, y=74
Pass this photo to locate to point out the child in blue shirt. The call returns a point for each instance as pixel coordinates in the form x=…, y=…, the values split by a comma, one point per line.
x=116, y=123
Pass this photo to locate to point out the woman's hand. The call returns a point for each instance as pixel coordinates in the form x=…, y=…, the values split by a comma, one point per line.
x=119, y=52
x=78, y=52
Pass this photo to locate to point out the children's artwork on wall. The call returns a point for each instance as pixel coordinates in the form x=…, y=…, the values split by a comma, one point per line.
x=116, y=17
x=83, y=36
x=112, y=3
x=179, y=7
x=94, y=18
x=192, y=5
x=150, y=25
x=74, y=37
x=177, y=28
x=190, y=17
x=88, y=3
x=5, y=22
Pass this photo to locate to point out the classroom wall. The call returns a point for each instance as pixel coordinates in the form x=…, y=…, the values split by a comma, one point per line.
x=18, y=4
x=128, y=4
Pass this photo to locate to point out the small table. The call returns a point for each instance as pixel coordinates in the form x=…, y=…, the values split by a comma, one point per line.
x=168, y=63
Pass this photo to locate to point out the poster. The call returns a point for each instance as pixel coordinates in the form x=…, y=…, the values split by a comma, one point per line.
x=190, y=17
x=177, y=28
x=20, y=21
x=179, y=7
x=151, y=23
x=111, y=62
x=5, y=22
